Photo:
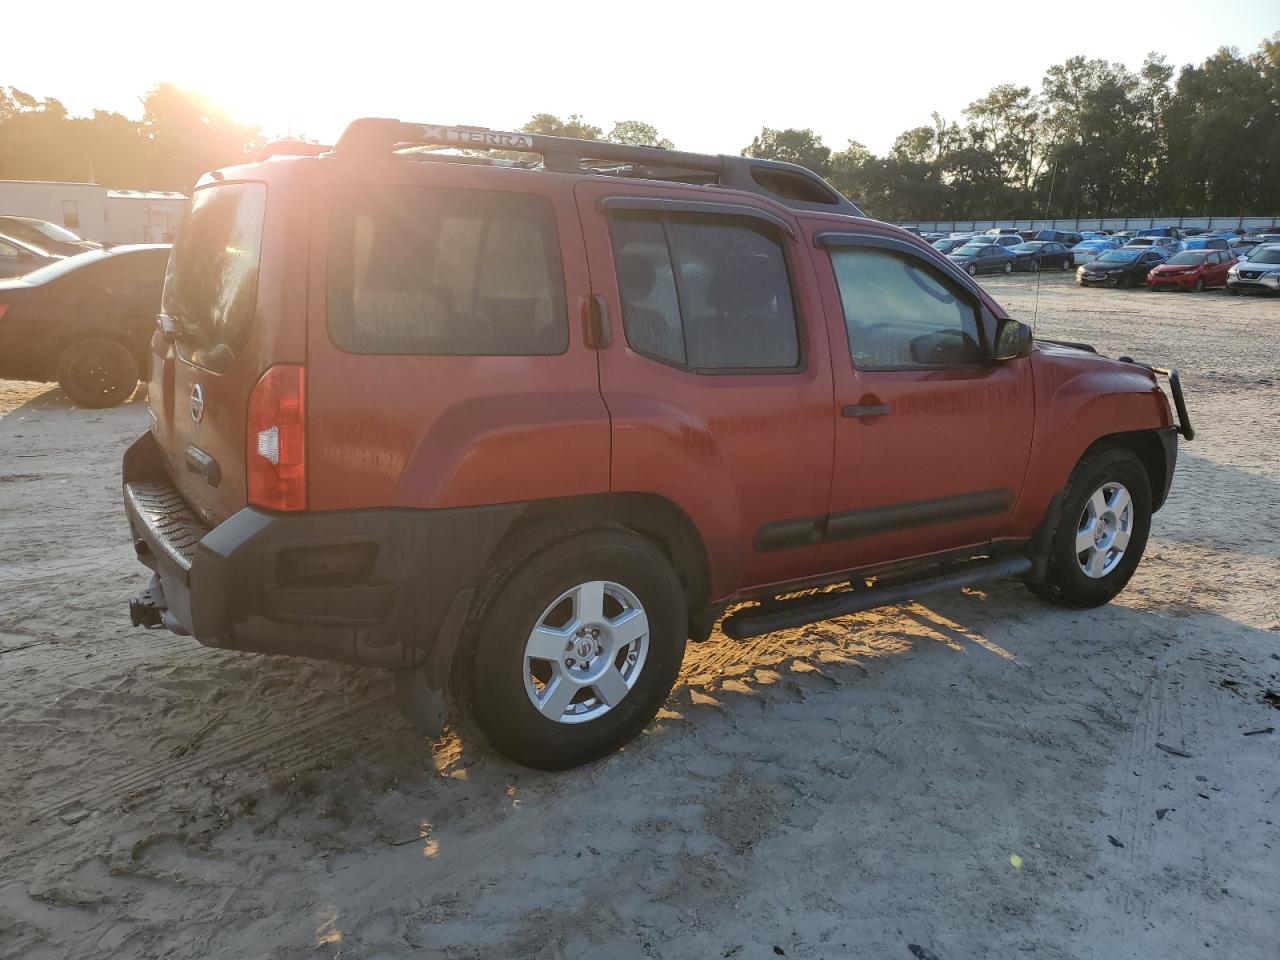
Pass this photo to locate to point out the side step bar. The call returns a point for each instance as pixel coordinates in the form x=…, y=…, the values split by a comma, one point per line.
x=783, y=615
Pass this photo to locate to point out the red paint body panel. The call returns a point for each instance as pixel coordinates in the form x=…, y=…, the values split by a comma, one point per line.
x=734, y=452
x=451, y=431
x=277, y=335
x=948, y=433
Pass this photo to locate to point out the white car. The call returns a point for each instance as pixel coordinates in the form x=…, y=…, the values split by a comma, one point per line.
x=1168, y=245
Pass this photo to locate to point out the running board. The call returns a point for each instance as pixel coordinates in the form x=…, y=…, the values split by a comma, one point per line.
x=785, y=614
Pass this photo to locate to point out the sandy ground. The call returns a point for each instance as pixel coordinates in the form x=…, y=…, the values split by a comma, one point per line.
x=979, y=775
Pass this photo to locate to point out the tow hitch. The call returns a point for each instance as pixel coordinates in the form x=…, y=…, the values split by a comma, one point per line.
x=148, y=609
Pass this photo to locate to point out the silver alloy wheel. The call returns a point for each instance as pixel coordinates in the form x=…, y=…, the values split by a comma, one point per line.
x=586, y=652
x=1103, y=532
x=1008, y=267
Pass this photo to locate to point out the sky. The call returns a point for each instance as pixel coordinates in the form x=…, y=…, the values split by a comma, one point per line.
x=709, y=76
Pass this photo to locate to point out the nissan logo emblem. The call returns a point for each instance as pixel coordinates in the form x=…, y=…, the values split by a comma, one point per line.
x=197, y=403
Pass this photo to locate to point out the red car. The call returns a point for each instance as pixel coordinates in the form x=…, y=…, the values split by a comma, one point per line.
x=1192, y=270
x=522, y=431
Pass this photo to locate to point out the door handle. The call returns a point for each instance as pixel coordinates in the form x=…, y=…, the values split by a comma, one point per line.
x=595, y=321
x=858, y=411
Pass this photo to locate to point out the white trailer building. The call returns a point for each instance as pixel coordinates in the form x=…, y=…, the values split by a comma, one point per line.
x=94, y=212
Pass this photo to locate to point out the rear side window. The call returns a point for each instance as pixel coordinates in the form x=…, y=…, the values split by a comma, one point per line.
x=211, y=288
x=429, y=270
x=705, y=294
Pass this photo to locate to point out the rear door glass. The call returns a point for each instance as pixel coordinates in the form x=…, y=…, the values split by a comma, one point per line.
x=211, y=289
x=430, y=270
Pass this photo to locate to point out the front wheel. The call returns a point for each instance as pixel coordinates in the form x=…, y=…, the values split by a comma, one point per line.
x=574, y=651
x=1067, y=265
x=972, y=269
x=1101, y=531
x=97, y=373
x=1199, y=288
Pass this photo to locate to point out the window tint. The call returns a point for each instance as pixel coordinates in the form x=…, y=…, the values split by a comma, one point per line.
x=211, y=289
x=707, y=294
x=900, y=312
x=441, y=271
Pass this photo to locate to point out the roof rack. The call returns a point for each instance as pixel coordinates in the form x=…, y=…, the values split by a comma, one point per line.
x=788, y=183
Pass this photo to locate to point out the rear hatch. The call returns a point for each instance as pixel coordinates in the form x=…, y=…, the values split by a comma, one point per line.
x=234, y=305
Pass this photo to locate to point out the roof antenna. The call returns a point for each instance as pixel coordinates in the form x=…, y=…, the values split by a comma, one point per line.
x=1047, y=204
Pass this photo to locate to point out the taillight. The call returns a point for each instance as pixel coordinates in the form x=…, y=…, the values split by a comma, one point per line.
x=276, y=458
x=4, y=308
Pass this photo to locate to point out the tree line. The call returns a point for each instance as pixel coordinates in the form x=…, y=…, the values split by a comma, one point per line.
x=1096, y=140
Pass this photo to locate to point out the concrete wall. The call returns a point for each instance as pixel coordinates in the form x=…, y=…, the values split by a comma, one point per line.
x=1108, y=223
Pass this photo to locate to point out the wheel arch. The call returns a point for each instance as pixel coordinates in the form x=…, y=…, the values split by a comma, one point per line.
x=1147, y=446
x=654, y=517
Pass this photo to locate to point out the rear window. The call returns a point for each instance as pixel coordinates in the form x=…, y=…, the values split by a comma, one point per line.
x=430, y=270
x=211, y=288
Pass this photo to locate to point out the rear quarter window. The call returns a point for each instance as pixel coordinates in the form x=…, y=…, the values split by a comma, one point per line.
x=431, y=270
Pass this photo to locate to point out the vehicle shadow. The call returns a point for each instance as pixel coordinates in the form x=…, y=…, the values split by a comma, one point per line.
x=23, y=397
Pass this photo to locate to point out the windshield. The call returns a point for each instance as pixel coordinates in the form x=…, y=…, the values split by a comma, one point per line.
x=55, y=270
x=54, y=232
x=1140, y=242
x=1120, y=256
x=1190, y=256
x=1265, y=255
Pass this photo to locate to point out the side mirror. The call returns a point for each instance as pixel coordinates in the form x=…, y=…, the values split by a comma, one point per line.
x=1013, y=340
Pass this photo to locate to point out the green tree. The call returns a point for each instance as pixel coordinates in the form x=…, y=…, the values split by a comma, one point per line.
x=637, y=133
x=550, y=125
x=792, y=146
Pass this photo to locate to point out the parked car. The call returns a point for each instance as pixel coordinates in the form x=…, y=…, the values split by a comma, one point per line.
x=1027, y=234
x=1065, y=237
x=17, y=258
x=1192, y=270
x=1042, y=255
x=1260, y=273
x=975, y=258
x=1087, y=250
x=950, y=244
x=46, y=235
x=1169, y=233
x=1206, y=243
x=1126, y=267
x=524, y=434
x=1168, y=245
x=85, y=321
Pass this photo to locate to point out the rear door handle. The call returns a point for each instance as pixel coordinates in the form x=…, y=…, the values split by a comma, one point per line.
x=858, y=411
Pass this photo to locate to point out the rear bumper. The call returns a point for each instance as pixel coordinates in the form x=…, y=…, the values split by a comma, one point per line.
x=369, y=587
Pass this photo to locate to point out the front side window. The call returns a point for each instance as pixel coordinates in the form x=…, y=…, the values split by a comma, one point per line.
x=211, y=288
x=703, y=293
x=901, y=313
x=433, y=270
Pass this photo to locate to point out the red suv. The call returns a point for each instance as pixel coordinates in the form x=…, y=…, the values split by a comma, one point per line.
x=521, y=429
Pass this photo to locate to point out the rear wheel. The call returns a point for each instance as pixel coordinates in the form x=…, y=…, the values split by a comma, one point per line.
x=575, y=650
x=1008, y=267
x=97, y=373
x=1199, y=288
x=1102, y=530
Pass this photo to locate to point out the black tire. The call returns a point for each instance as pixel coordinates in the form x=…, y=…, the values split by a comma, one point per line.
x=1064, y=581
x=1067, y=264
x=1233, y=291
x=1199, y=288
x=972, y=269
x=510, y=605
x=97, y=373
x=1008, y=266
x=1125, y=282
